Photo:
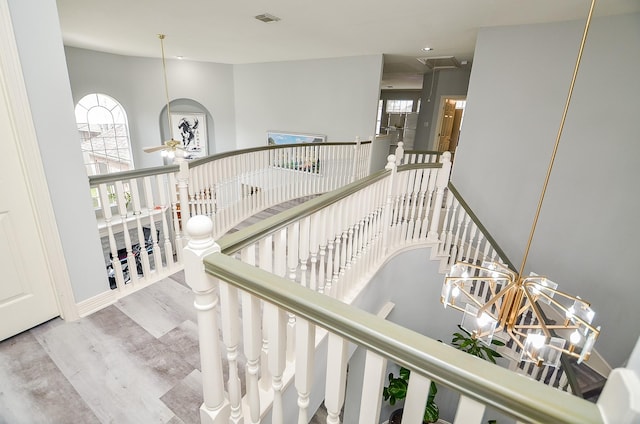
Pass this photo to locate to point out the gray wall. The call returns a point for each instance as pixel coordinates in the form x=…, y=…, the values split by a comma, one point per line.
x=587, y=234
x=446, y=82
x=335, y=97
x=137, y=83
x=39, y=42
x=417, y=306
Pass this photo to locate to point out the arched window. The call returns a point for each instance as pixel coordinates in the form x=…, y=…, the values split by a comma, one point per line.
x=104, y=131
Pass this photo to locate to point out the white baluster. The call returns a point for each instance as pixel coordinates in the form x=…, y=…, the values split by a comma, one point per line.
x=442, y=181
x=417, y=394
x=157, y=258
x=399, y=153
x=252, y=338
x=122, y=208
x=372, y=386
x=106, y=211
x=305, y=354
x=144, y=255
x=266, y=263
x=469, y=411
x=183, y=193
x=177, y=220
x=314, y=236
x=230, y=335
x=200, y=245
x=428, y=214
x=303, y=250
x=336, y=377
x=277, y=322
x=292, y=247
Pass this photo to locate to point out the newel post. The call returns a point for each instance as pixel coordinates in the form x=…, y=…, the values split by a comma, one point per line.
x=442, y=181
x=386, y=219
x=399, y=153
x=215, y=408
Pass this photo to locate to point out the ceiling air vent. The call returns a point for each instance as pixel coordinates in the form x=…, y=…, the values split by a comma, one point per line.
x=266, y=17
x=440, y=62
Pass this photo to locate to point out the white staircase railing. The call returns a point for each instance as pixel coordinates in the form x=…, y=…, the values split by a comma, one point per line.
x=332, y=245
x=140, y=213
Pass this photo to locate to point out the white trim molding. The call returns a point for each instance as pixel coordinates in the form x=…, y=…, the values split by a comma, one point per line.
x=18, y=102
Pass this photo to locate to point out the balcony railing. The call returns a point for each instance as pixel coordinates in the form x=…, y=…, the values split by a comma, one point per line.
x=140, y=213
x=293, y=277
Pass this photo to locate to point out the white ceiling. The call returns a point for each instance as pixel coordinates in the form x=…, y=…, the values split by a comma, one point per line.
x=226, y=31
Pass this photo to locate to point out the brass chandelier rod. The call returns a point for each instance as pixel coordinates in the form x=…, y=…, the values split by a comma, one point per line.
x=166, y=84
x=555, y=147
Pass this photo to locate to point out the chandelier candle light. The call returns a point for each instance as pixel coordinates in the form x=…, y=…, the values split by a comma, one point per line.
x=544, y=322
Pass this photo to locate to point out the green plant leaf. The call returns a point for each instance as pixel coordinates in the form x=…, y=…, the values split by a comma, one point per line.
x=431, y=413
x=404, y=373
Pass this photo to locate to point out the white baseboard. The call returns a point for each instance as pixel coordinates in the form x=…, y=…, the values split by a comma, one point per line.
x=95, y=303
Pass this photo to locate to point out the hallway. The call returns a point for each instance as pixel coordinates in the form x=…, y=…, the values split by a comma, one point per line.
x=136, y=361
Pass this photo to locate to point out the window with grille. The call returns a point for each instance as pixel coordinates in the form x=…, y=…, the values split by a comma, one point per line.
x=399, y=106
x=104, y=133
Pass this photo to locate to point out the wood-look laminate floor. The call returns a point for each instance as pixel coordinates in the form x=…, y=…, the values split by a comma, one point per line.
x=136, y=361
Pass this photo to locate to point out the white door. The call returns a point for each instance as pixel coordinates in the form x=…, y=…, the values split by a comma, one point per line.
x=26, y=291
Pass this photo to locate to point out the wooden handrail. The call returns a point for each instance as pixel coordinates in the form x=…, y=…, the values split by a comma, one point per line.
x=223, y=155
x=481, y=227
x=522, y=398
x=135, y=173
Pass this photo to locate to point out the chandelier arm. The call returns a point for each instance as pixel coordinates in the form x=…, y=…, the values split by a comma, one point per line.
x=498, y=296
x=539, y=315
x=516, y=340
x=555, y=147
x=562, y=307
x=556, y=291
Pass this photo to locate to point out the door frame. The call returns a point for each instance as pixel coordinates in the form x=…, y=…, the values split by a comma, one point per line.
x=18, y=102
x=436, y=129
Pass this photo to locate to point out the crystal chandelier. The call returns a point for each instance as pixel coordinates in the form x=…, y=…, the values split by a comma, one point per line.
x=541, y=320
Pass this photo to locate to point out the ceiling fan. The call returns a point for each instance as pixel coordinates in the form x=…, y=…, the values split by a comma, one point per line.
x=170, y=147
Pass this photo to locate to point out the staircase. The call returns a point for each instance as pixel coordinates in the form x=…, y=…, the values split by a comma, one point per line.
x=294, y=275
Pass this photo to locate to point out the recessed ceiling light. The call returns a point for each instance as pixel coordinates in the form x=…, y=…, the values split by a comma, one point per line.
x=267, y=17
x=179, y=57
x=426, y=49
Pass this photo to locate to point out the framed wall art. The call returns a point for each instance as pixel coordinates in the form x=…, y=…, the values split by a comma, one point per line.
x=191, y=130
x=279, y=138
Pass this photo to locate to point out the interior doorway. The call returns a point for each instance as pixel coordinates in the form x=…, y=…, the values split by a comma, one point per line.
x=450, y=116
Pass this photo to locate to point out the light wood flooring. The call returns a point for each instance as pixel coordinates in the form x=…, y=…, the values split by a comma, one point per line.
x=135, y=361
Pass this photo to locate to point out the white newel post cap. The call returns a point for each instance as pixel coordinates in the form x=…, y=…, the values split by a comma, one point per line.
x=619, y=401
x=200, y=231
x=201, y=243
x=445, y=157
x=391, y=162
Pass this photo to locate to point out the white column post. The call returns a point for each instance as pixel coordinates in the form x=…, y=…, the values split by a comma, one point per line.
x=215, y=408
x=442, y=181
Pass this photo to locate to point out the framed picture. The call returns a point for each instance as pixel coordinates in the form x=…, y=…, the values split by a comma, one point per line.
x=191, y=129
x=279, y=138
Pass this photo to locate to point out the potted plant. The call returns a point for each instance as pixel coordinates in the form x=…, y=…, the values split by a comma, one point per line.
x=466, y=343
x=397, y=390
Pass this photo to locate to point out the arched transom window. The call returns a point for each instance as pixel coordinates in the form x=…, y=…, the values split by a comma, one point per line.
x=104, y=131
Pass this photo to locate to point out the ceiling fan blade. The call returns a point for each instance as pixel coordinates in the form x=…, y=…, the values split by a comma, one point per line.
x=154, y=149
